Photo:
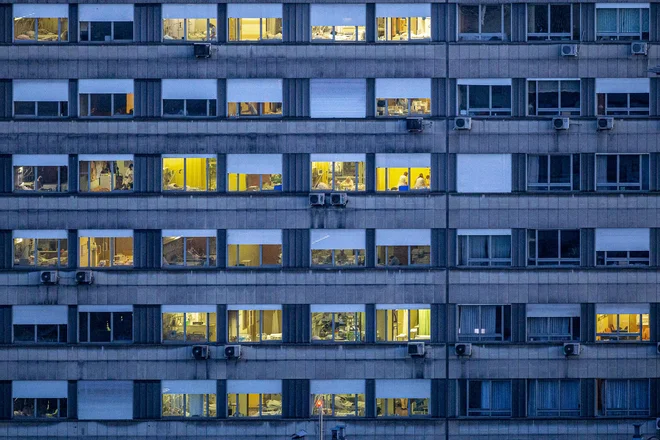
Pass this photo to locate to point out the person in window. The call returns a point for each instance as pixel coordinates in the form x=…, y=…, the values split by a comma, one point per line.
x=420, y=183
x=403, y=179
x=128, y=177
x=428, y=181
x=341, y=258
x=212, y=31
x=347, y=184
x=394, y=261
x=322, y=185
x=39, y=184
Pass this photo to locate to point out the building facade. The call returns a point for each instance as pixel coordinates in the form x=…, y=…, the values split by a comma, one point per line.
x=214, y=216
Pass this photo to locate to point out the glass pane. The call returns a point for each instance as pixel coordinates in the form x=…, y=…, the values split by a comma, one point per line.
x=548, y=94
x=47, y=178
x=122, y=326
x=248, y=255
x=629, y=169
x=420, y=28
x=271, y=254
x=420, y=255
x=570, y=244
x=492, y=19
x=47, y=252
x=501, y=97
x=24, y=251
x=173, y=107
x=24, y=333
x=560, y=169
x=196, y=174
x=196, y=251
x=548, y=245
x=321, y=326
x=197, y=29
x=24, y=29
x=560, y=19
x=47, y=333
x=47, y=407
x=420, y=325
x=101, y=31
x=173, y=251
x=537, y=19
x=48, y=29
x=570, y=94
x=100, y=104
x=100, y=330
x=123, y=251
x=123, y=104
x=23, y=407
x=197, y=107
x=271, y=28
x=24, y=108
x=249, y=29
x=606, y=20
x=173, y=173
x=271, y=325
x=479, y=97
x=173, y=29
x=173, y=327
x=48, y=109
x=321, y=257
x=468, y=19
x=196, y=327
x=123, y=30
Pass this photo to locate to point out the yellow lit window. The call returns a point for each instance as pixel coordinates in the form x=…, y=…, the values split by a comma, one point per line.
x=45, y=30
x=255, y=325
x=403, y=325
x=623, y=327
x=255, y=29
x=189, y=174
x=338, y=176
x=254, y=405
x=106, y=252
x=189, y=405
x=40, y=252
x=106, y=175
x=189, y=327
x=190, y=29
x=254, y=255
x=338, y=327
x=404, y=28
x=339, y=405
x=403, y=179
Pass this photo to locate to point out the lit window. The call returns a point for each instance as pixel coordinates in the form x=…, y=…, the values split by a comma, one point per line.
x=189, y=22
x=403, y=247
x=338, y=23
x=106, y=98
x=553, y=172
x=254, y=247
x=254, y=398
x=40, y=399
x=403, y=22
x=189, y=326
x=41, y=23
x=189, y=247
x=105, y=248
x=403, y=398
x=192, y=98
x=622, y=172
x=623, y=397
x=487, y=398
x=402, y=323
x=338, y=247
x=41, y=172
x=195, y=172
x=553, y=247
x=553, y=398
x=484, y=247
x=105, y=23
x=403, y=172
x=483, y=173
x=553, y=322
x=105, y=173
x=622, y=247
x=40, y=248
x=40, y=324
x=484, y=323
x=254, y=97
x=338, y=172
x=41, y=98
x=338, y=398
x=621, y=22
x=254, y=172
x=484, y=97
x=337, y=98
x=105, y=323
x=623, y=97
x=553, y=22
x=338, y=323
x=401, y=97
x=553, y=98
x=484, y=22
x=257, y=324
x=189, y=398
x=622, y=322
x=255, y=22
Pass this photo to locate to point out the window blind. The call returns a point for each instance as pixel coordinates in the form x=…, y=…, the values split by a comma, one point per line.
x=105, y=86
x=623, y=239
x=40, y=233
x=338, y=238
x=403, y=88
x=403, y=237
x=407, y=388
x=254, y=90
x=189, y=232
x=190, y=11
x=403, y=10
x=623, y=85
x=337, y=308
x=337, y=386
x=254, y=236
x=403, y=160
x=254, y=387
x=116, y=233
x=256, y=10
x=27, y=315
x=105, y=12
x=189, y=386
x=190, y=89
x=105, y=400
x=40, y=90
x=39, y=388
x=338, y=15
x=40, y=160
x=254, y=163
x=41, y=11
x=483, y=173
x=553, y=310
x=338, y=98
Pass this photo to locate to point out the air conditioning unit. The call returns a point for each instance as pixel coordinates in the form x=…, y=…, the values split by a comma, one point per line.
x=561, y=123
x=569, y=50
x=49, y=277
x=416, y=349
x=605, y=123
x=572, y=349
x=84, y=277
x=317, y=199
x=463, y=123
x=464, y=349
x=414, y=125
x=639, y=48
x=202, y=50
x=657, y=424
x=338, y=199
x=201, y=352
x=232, y=351
x=657, y=348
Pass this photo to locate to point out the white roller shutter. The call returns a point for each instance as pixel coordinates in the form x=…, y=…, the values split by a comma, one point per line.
x=40, y=233
x=40, y=388
x=105, y=157
x=483, y=232
x=105, y=12
x=189, y=309
x=255, y=307
x=484, y=82
x=254, y=90
x=54, y=90
x=254, y=163
x=623, y=85
x=190, y=88
x=29, y=315
x=623, y=239
x=620, y=309
x=105, y=86
x=40, y=160
x=105, y=308
x=338, y=15
x=254, y=236
x=403, y=10
x=338, y=157
x=105, y=400
x=403, y=306
x=338, y=98
x=337, y=386
x=553, y=310
x=41, y=11
x=257, y=10
x=483, y=173
x=403, y=88
x=337, y=308
x=189, y=232
x=254, y=387
x=190, y=11
x=406, y=388
x=403, y=160
x=403, y=237
x=338, y=238
x=101, y=233
x=189, y=386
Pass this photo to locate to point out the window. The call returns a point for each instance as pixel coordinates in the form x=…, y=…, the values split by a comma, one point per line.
x=189, y=398
x=338, y=98
x=484, y=22
x=254, y=398
x=401, y=97
x=622, y=247
x=41, y=172
x=191, y=22
x=338, y=398
x=105, y=23
x=254, y=172
x=622, y=22
x=189, y=247
x=254, y=247
x=105, y=400
x=191, y=324
x=553, y=172
x=338, y=247
x=483, y=173
x=484, y=247
x=553, y=98
x=484, y=323
x=105, y=248
x=254, y=98
x=403, y=323
x=484, y=97
x=105, y=323
x=553, y=247
x=623, y=97
x=338, y=323
x=403, y=247
x=488, y=398
x=403, y=172
x=403, y=398
x=553, y=322
x=622, y=322
x=41, y=98
x=40, y=399
x=403, y=22
x=338, y=172
x=553, y=398
x=257, y=324
x=338, y=23
x=40, y=324
x=105, y=173
x=190, y=98
x=622, y=397
x=554, y=22
x=622, y=172
x=106, y=98
x=40, y=248
x=192, y=172
x=41, y=23
x=255, y=22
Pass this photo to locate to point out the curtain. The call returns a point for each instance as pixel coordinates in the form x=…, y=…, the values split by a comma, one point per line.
x=468, y=320
x=601, y=169
x=570, y=395
x=560, y=326
x=616, y=395
x=488, y=319
x=501, y=246
x=548, y=395
x=501, y=395
x=478, y=246
x=534, y=169
x=606, y=20
x=424, y=322
x=485, y=394
x=629, y=20
x=538, y=326
x=639, y=396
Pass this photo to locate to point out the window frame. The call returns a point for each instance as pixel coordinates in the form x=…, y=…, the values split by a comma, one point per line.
x=560, y=110
x=360, y=333
x=559, y=261
x=184, y=264
x=261, y=326
x=388, y=23
x=206, y=398
x=387, y=324
x=333, y=32
x=549, y=337
x=501, y=337
x=236, y=25
x=618, y=35
x=261, y=264
x=113, y=174
x=386, y=171
x=61, y=338
x=550, y=36
x=112, y=32
x=60, y=31
x=112, y=328
x=601, y=399
x=61, y=106
x=490, y=261
x=409, y=112
x=88, y=112
x=491, y=413
x=550, y=186
x=210, y=106
x=409, y=263
x=207, y=338
x=477, y=112
x=622, y=111
x=332, y=408
x=34, y=416
x=643, y=161
x=111, y=253
x=559, y=412
x=236, y=112
x=35, y=169
x=60, y=248
x=209, y=174
x=357, y=253
x=185, y=31
x=618, y=336
x=333, y=178
x=409, y=407
x=481, y=36
x=628, y=261
x=237, y=397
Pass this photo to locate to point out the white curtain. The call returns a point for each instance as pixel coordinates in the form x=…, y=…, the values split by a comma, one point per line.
x=606, y=20
x=501, y=395
x=629, y=20
x=469, y=320
x=616, y=393
x=488, y=319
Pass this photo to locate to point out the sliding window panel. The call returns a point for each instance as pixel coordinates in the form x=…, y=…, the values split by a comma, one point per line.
x=5, y=324
x=295, y=23
x=439, y=398
x=147, y=98
x=146, y=324
x=6, y=402
x=5, y=23
x=338, y=98
x=295, y=398
x=147, y=249
x=6, y=175
x=588, y=247
x=73, y=23
x=5, y=93
x=72, y=399
x=438, y=323
x=6, y=249
x=148, y=171
x=442, y=29
x=146, y=399
x=296, y=172
x=72, y=325
x=295, y=96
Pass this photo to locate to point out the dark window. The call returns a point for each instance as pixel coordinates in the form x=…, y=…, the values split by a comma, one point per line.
x=553, y=247
x=488, y=398
x=105, y=31
x=105, y=326
x=106, y=104
x=553, y=398
x=622, y=23
x=553, y=98
x=484, y=100
x=123, y=31
x=101, y=31
x=484, y=250
x=622, y=258
x=40, y=333
x=623, y=104
x=189, y=107
x=622, y=172
x=621, y=397
x=24, y=108
x=553, y=22
x=484, y=323
x=553, y=328
x=403, y=255
x=553, y=172
x=484, y=22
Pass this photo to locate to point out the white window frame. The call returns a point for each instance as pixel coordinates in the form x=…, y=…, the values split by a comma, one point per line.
x=549, y=35
x=551, y=112
x=489, y=260
x=478, y=112
x=619, y=35
x=105, y=13
x=484, y=36
x=39, y=11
